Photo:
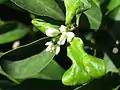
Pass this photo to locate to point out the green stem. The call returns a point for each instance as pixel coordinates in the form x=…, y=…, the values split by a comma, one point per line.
x=78, y=19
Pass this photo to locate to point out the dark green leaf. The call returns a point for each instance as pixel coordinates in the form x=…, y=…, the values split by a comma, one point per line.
x=51, y=72
x=35, y=65
x=98, y=2
x=30, y=66
x=41, y=7
x=110, y=67
x=94, y=16
x=2, y=1
x=12, y=31
x=8, y=76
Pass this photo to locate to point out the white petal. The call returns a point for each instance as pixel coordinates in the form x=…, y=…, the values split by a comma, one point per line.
x=57, y=50
x=16, y=44
x=52, y=32
x=48, y=43
x=53, y=47
x=62, y=28
x=48, y=49
x=70, y=36
x=62, y=39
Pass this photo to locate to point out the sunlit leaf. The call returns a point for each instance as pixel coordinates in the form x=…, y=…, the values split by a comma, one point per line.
x=113, y=4
x=115, y=14
x=73, y=7
x=43, y=26
x=84, y=66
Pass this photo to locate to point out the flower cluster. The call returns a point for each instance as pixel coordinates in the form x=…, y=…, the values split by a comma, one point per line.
x=64, y=36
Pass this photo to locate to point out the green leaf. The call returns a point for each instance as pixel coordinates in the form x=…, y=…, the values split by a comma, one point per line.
x=34, y=63
x=43, y=26
x=30, y=66
x=113, y=4
x=12, y=31
x=52, y=71
x=2, y=1
x=94, y=16
x=73, y=7
x=98, y=2
x=84, y=66
x=110, y=66
x=41, y=7
x=115, y=14
x=8, y=76
x=116, y=88
x=5, y=83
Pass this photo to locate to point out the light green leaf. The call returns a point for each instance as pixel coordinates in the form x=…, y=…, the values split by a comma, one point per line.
x=12, y=31
x=94, y=16
x=43, y=26
x=73, y=7
x=84, y=66
x=110, y=67
x=41, y=7
x=115, y=14
x=113, y=4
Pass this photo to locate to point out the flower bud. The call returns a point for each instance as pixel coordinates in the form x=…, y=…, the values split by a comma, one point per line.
x=52, y=32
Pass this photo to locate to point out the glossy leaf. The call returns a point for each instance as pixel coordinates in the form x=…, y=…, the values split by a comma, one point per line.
x=113, y=4
x=84, y=66
x=43, y=26
x=115, y=14
x=12, y=31
x=41, y=7
x=94, y=16
x=73, y=7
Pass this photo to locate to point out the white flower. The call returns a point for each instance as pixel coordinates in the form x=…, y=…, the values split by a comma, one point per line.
x=51, y=47
x=52, y=32
x=65, y=35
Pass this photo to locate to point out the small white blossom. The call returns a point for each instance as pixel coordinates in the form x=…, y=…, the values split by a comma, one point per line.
x=117, y=42
x=115, y=50
x=51, y=47
x=16, y=44
x=52, y=32
x=63, y=28
x=65, y=35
